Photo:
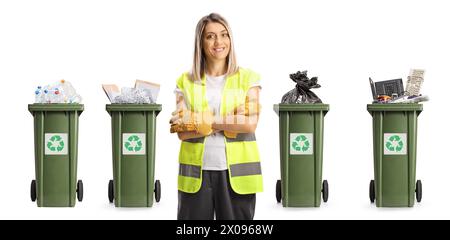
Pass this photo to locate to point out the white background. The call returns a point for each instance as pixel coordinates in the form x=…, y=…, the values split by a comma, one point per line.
x=342, y=42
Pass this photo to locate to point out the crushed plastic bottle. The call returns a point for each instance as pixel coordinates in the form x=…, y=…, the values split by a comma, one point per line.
x=70, y=94
x=39, y=94
x=59, y=92
x=57, y=95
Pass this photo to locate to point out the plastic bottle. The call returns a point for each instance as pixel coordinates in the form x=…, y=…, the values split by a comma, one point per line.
x=38, y=95
x=51, y=96
x=75, y=99
x=53, y=93
x=45, y=96
x=57, y=95
x=70, y=94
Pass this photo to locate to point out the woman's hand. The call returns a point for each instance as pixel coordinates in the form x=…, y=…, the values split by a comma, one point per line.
x=184, y=120
x=243, y=119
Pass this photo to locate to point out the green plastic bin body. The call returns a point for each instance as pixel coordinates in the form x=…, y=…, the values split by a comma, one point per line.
x=133, y=148
x=394, y=146
x=301, y=164
x=56, y=167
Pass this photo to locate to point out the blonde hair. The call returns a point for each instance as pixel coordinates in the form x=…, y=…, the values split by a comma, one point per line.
x=199, y=64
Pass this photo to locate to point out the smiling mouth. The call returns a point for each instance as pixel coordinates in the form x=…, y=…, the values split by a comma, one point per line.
x=219, y=49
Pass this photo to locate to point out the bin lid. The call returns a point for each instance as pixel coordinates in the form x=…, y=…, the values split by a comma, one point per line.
x=55, y=107
x=131, y=107
x=301, y=107
x=394, y=107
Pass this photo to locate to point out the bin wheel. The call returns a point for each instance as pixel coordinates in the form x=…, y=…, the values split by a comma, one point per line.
x=419, y=191
x=278, y=191
x=157, y=190
x=33, y=191
x=325, y=191
x=80, y=190
x=372, y=191
x=111, y=191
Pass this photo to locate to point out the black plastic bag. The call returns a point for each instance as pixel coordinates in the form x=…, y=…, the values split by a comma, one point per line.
x=302, y=93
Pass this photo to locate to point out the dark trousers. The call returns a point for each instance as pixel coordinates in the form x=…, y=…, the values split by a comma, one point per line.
x=216, y=197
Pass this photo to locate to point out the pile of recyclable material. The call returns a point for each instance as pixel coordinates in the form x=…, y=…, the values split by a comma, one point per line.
x=142, y=93
x=58, y=92
x=391, y=91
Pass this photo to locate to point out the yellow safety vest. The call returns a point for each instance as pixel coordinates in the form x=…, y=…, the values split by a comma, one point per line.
x=242, y=152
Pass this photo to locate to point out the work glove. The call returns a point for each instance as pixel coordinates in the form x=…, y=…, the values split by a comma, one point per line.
x=184, y=120
x=246, y=109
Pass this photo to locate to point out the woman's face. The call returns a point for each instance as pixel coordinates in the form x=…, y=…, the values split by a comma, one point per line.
x=216, y=41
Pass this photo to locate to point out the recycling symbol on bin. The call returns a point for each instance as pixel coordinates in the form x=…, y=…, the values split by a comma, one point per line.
x=394, y=143
x=301, y=143
x=133, y=143
x=55, y=143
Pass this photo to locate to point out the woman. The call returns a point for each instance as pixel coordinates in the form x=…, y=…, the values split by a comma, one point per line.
x=216, y=117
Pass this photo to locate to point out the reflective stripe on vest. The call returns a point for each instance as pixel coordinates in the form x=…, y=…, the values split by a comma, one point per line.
x=245, y=169
x=195, y=140
x=242, y=137
x=190, y=170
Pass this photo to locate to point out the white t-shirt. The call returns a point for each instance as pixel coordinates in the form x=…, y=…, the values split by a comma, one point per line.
x=214, y=155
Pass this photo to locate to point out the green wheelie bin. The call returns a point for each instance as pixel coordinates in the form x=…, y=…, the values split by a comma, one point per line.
x=301, y=148
x=133, y=150
x=56, y=152
x=394, y=152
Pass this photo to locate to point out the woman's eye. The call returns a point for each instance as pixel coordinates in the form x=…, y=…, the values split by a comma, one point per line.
x=225, y=35
x=210, y=37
